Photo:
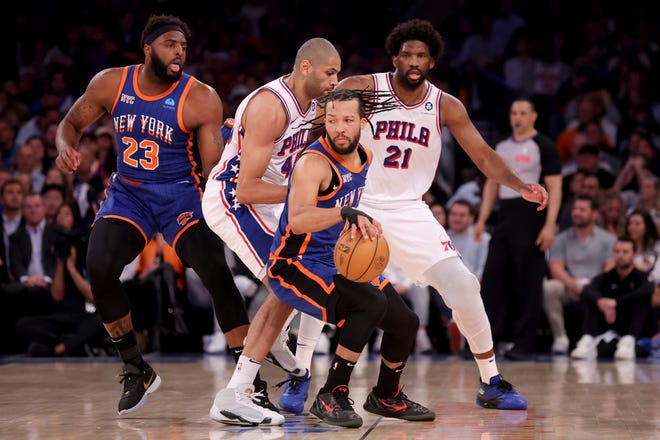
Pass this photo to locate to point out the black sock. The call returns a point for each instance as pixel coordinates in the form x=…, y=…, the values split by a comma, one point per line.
x=339, y=374
x=236, y=352
x=388, y=381
x=128, y=349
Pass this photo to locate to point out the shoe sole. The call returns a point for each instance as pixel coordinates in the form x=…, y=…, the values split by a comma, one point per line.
x=488, y=404
x=290, y=409
x=230, y=418
x=430, y=416
x=153, y=387
x=353, y=423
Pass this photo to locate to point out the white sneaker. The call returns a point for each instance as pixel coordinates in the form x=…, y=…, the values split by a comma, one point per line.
x=215, y=343
x=235, y=406
x=625, y=348
x=585, y=349
x=560, y=345
x=422, y=342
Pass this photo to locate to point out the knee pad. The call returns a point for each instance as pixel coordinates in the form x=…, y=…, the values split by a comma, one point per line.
x=112, y=245
x=363, y=306
x=400, y=326
x=458, y=286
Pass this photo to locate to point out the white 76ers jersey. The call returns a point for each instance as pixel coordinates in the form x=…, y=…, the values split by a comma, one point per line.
x=406, y=145
x=286, y=146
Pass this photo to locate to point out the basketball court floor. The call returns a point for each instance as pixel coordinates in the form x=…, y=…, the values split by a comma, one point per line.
x=77, y=399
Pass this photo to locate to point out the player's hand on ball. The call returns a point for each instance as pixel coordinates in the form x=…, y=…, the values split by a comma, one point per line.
x=369, y=227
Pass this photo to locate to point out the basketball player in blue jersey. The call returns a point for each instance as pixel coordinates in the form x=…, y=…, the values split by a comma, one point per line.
x=324, y=189
x=406, y=145
x=160, y=116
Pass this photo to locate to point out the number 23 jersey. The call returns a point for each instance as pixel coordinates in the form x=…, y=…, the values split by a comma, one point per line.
x=153, y=145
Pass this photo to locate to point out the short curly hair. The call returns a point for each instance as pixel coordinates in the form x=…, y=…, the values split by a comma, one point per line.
x=415, y=29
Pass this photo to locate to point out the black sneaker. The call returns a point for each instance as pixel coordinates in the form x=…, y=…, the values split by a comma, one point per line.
x=137, y=385
x=335, y=408
x=260, y=395
x=399, y=407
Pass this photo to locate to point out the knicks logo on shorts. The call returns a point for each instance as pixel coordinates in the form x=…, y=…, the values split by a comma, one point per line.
x=184, y=218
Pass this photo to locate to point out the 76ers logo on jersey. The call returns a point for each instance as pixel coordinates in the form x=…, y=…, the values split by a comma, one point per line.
x=448, y=246
x=428, y=106
x=184, y=218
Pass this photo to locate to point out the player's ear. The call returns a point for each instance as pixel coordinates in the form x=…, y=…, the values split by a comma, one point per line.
x=305, y=67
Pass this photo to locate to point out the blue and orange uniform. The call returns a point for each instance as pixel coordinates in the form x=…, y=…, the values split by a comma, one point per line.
x=301, y=268
x=156, y=186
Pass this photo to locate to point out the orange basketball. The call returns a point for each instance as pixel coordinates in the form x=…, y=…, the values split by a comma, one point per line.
x=361, y=259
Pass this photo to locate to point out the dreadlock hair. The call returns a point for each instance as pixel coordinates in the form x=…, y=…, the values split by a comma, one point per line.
x=369, y=103
x=415, y=29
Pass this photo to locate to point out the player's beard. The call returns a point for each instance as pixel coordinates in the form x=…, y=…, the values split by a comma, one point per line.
x=162, y=72
x=352, y=145
x=412, y=85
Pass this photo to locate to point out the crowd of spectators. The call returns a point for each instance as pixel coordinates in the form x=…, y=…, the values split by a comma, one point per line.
x=589, y=67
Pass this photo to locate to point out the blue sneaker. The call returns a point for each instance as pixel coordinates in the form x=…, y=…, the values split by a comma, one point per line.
x=295, y=393
x=499, y=394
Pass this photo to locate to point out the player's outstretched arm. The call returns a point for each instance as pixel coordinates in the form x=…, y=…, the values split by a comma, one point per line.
x=455, y=117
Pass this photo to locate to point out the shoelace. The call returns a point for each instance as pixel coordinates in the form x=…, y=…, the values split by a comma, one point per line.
x=294, y=382
x=259, y=395
x=249, y=398
x=127, y=377
x=342, y=399
x=504, y=385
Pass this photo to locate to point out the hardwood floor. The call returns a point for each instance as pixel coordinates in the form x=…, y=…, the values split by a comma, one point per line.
x=77, y=399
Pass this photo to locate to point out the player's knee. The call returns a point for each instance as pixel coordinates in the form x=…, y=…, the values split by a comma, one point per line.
x=101, y=265
x=458, y=286
x=199, y=246
x=465, y=293
x=376, y=309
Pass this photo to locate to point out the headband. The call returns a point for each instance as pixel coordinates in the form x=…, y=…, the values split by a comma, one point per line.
x=148, y=39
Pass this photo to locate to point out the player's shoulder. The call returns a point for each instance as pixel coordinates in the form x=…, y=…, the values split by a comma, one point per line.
x=313, y=160
x=203, y=92
x=108, y=77
x=265, y=100
x=104, y=85
x=358, y=82
x=452, y=109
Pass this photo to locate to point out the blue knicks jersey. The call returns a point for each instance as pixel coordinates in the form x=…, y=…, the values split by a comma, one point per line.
x=346, y=189
x=153, y=145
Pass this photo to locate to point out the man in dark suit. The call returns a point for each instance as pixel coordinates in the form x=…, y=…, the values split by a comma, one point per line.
x=32, y=262
x=11, y=199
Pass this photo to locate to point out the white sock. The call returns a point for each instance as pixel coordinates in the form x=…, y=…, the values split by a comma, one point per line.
x=309, y=332
x=487, y=368
x=245, y=372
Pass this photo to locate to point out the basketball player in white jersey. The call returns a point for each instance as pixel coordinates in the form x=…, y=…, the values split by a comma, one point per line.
x=246, y=190
x=406, y=145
